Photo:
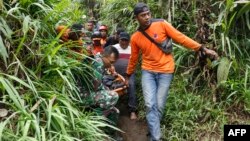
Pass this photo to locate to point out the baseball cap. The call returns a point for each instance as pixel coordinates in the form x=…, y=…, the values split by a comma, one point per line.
x=124, y=35
x=140, y=7
x=103, y=27
x=96, y=36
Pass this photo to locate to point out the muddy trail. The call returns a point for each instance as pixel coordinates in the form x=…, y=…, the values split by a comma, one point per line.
x=134, y=130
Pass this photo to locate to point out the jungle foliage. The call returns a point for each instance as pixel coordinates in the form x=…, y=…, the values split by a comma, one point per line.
x=38, y=87
x=37, y=75
x=206, y=93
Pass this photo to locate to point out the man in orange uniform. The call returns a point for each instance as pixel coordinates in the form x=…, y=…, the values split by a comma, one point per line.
x=157, y=66
x=96, y=42
x=104, y=32
x=73, y=33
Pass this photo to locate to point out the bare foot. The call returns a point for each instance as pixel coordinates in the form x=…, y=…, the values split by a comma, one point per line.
x=133, y=116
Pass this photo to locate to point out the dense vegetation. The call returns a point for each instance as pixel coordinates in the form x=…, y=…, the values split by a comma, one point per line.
x=205, y=94
x=37, y=83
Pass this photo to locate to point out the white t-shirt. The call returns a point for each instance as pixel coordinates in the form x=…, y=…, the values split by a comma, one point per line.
x=123, y=53
x=122, y=63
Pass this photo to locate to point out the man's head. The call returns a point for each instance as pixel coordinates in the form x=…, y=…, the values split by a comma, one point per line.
x=76, y=32
x=124, y=39
x=96, y=38
x=90, y=26
x=104, y=30
x=109, y=56
x=142, y=14
x=117, y=32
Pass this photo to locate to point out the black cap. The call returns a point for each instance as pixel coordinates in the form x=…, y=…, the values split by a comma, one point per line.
x=76, y=27
x=124, y=35
x=96, y=35
x=140, y=7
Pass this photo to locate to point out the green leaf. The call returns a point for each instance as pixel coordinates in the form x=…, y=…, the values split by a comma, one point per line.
x=244, y=9
x=5, y=29
x=4, y=123
x=26, y=128
x=13, y=94
x=223, y=70
x=26, y=22
x=18, y=80
x=43, y=134
x=3, y=51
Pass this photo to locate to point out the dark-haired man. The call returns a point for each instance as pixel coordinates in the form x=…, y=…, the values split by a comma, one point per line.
x=114, y=39
x=157, y=66
x=89, y=26
x=100, y=95
x=104, y=33
x=121, y=66
x=96, y=43
x=73, y=33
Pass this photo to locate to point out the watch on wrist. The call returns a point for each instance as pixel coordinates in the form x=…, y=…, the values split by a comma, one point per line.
x=201, y=48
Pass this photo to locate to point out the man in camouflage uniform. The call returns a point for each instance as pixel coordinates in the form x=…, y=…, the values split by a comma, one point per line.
x=89, y=26
x=100, y=95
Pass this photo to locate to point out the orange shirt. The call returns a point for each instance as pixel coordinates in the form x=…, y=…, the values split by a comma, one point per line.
x=65, y=38
x=153, y=59
x=65, y=34
x=97, y=49
x=103, y=41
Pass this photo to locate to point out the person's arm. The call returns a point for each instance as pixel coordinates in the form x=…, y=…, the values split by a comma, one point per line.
x=133, y=57
x=180, y=38
x=184, y=40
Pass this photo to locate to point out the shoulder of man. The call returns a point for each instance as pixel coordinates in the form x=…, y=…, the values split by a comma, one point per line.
x=134, y=35
x=160, y=21
x=116, y=45
x=60, y=27
x=157, y=20
x=111, y=37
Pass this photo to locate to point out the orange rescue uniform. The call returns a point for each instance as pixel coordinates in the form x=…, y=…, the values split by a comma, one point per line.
x=65, y=38
x=153, y=59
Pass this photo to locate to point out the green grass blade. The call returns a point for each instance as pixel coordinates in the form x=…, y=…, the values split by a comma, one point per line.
x=3, y=51
x=13, y=94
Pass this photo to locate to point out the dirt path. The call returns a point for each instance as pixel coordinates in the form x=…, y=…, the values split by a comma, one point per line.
x=134, y=130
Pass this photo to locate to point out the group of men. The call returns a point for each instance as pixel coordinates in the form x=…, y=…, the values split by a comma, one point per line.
x=103, y=49
x=157, y=66
x=120, y=41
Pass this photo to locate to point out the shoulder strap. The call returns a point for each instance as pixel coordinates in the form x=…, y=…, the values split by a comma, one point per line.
x=146, y=35
x=151, y=39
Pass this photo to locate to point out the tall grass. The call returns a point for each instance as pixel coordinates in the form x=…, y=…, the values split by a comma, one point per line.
x=37, y=76
x=206, y=93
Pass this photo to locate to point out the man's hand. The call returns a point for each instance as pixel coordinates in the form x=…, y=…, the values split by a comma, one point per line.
x=127, y=81
x=210, y=53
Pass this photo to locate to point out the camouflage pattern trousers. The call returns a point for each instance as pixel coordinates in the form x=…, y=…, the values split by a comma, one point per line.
x=104, y=99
